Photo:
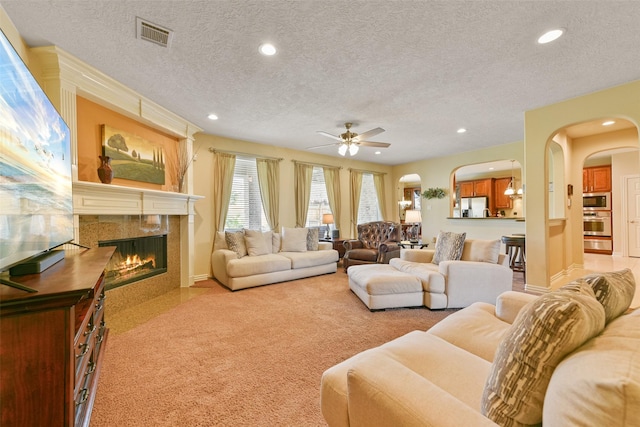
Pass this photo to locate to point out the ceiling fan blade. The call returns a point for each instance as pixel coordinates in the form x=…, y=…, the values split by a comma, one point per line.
x=329, y=135
x=323, y=145
x=373, y=144
x=368, y=134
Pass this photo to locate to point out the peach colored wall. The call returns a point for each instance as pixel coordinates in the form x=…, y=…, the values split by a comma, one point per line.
x=90, y=118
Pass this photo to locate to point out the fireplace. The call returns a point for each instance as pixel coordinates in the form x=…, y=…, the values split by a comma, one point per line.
x=135, y=259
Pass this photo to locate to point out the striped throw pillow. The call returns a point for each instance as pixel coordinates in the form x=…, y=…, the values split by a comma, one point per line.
x=543, y=333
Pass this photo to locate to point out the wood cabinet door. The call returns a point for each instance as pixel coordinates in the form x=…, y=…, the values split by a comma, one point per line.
x=596, y=179
x=601, y=179
x=501, y=201
x=466, y=189
x=586, y=181
x=482, y=187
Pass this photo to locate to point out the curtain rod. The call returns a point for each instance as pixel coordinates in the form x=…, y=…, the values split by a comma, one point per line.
x=237, y=153
x=366, y=171
x=317, y=164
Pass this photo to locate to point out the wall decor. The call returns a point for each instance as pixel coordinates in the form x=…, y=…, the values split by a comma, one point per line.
x=133, y=157
x=434, y=193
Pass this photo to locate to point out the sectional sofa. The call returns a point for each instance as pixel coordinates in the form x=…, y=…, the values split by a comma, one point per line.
x=249, y=258
x=567, y=358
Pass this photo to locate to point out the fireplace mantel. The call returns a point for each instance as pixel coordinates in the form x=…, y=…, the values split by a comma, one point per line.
x=90, y=198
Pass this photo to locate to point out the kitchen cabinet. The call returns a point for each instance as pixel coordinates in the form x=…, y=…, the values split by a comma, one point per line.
x=477, y=188
x=500, y=201
x=596, y=179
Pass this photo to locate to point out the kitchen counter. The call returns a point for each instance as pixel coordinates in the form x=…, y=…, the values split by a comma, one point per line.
x=501, y=218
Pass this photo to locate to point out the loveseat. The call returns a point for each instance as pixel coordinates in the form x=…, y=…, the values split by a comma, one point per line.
x=570, y=357
x=249, y=258
x=480, y=274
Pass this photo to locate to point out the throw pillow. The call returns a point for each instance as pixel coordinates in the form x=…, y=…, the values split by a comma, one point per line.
x=235, y=242
x=256, y=242
x=614, y=290
x=312, y=239
x=275, y=243
x=294, y=239
x=543, y=333
x=481, y=250
x=448, y=246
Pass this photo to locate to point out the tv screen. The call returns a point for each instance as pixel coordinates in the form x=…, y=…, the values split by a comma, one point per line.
x=36, y=207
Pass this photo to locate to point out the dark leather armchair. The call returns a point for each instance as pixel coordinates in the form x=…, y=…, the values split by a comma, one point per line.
x=377, y=243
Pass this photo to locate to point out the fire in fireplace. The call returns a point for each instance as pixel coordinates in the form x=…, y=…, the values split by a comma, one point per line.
x=135, y=259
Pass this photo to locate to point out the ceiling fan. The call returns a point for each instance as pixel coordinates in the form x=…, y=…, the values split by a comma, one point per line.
x=351, y=141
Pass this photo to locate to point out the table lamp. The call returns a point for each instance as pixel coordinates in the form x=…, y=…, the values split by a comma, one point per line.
x=327, y=219
x=413, y=217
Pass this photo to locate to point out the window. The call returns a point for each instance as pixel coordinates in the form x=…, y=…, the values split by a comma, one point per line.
x=369, y=209
x=245, y=206
x=318, y=200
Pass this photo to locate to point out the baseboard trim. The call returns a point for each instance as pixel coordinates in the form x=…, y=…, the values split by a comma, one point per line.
x=200, y=277
x=536, y=289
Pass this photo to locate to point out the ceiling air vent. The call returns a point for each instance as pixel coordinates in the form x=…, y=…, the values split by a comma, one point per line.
x=153, y=33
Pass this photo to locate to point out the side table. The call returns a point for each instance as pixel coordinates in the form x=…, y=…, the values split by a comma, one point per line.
x=337, y=245
x=406, y=244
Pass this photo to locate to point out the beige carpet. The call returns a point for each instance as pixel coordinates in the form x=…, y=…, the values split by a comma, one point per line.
x=248, y=358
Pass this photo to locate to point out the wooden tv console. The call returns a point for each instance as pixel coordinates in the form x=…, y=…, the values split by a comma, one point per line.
x=53, y=342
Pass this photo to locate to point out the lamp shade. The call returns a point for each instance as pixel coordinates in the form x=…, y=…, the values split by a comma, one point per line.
x=413, y=216
x=327, y=218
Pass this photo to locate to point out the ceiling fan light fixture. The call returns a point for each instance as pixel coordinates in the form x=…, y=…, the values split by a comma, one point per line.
x=353, y=149
x=342, y=150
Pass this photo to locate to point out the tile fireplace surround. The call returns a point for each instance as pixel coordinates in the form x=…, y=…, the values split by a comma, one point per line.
x=107, y=212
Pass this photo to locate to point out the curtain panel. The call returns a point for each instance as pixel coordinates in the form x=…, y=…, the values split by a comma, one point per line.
x=302, y=188
x=332, y=183
x=269, y=182
x=224, y=165
x=378, y=182
x=356, y=188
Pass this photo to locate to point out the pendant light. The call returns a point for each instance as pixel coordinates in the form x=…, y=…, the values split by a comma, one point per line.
x=510, y=191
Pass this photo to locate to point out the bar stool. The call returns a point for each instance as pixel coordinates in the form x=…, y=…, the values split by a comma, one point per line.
x=515, y=251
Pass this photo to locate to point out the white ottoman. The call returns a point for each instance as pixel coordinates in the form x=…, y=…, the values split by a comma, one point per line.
x=381, y=286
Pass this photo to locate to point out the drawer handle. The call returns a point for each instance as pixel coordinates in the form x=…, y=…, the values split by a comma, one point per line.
x=90, y=368
x=89, y=331
x=85, y=349
x=99, y=338
x=84, y=395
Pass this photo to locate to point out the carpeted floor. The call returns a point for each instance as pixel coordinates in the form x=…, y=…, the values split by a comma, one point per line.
x=247, y=358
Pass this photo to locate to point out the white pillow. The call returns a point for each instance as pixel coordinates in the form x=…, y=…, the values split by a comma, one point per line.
x=256, y=242
x=481, y=250
x=275, y=243
x=294, y=239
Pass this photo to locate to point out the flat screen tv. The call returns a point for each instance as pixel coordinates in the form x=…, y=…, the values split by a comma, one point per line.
x=36, y=207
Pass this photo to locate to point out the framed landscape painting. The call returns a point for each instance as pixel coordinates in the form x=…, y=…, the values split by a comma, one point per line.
x=133, y=157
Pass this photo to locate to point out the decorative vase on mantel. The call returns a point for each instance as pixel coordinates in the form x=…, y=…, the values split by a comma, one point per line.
x=105, y=173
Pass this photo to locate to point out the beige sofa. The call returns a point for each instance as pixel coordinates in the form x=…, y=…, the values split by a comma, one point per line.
x=278, y=263
x=566, y=358
x=481, y=274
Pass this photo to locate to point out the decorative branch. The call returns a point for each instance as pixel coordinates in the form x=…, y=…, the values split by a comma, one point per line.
x=180, y=164
x=434, y=193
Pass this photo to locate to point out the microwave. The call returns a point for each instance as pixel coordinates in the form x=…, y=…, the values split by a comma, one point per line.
x=596, y=201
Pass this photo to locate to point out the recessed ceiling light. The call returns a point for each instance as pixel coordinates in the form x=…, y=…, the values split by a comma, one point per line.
x=377, y=152
x=608, y=123
x=550, y=36
x=461, y=130
x=267, y=49
x=212, y=117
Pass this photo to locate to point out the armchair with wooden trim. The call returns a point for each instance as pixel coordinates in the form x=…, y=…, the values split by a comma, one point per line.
x=377, y=243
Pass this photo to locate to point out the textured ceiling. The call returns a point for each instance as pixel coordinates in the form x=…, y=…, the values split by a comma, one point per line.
x=419, y=69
